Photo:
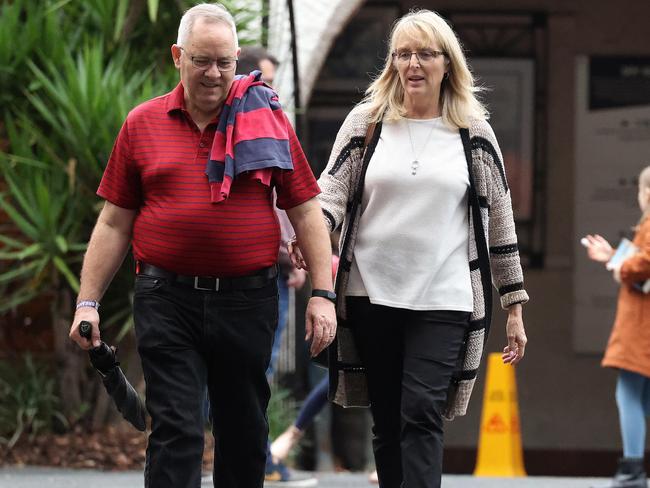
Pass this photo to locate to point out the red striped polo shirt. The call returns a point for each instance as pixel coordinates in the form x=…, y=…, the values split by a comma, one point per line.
x=158, y=167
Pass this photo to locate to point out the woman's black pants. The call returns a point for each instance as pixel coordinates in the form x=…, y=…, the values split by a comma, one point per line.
x=410, y=357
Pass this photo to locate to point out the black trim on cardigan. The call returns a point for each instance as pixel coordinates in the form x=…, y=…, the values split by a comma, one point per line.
x=358, y=193
x=477, y=324
x=463, y=375
x=355, y=143
x=481, y=245
x=332, y=350
x=507, y=249
x=331, y=219
x=468, y=374
x=367, y=156
x=510, y=288
x=478, y=142
x=473, y=265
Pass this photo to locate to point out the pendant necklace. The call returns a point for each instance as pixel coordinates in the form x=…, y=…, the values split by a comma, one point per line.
x=415, y=164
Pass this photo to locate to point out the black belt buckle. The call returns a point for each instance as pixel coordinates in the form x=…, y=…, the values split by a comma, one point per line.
x=212, y=284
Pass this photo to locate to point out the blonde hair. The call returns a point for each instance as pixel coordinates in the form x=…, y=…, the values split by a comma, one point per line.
x=385, y=95
x=210, y=12
x=644, y=184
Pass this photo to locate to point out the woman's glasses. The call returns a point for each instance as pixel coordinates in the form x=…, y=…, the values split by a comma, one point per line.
x=424, y=56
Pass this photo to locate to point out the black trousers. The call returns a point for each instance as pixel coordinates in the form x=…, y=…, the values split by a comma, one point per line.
x=189, y=338
x=410, y=357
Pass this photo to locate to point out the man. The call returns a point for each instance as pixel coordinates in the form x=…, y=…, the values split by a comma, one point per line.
x=205, y=303
x=256, y=57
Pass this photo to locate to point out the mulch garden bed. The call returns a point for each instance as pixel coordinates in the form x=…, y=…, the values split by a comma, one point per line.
x=111, y=449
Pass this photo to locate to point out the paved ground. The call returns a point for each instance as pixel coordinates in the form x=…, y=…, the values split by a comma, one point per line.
x=60, y=478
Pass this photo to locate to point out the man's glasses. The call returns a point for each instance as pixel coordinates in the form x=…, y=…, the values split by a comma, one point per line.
x=224, y=65
x=424, y=56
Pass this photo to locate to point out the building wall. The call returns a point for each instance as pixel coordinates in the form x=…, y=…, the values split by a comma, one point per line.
x=317, y=25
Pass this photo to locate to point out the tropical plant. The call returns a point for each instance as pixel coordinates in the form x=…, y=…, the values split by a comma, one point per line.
x=59, y=147
x=25, y=28
x=69, y=73
x=281, y=411
x=29, y=400
x=38, y=202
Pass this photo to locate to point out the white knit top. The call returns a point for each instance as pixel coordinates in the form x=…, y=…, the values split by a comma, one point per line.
x=412, y=247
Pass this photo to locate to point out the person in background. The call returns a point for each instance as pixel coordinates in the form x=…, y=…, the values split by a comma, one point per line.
x=205, y=303
x=257, y=57
x=417, y=181
x=310, y=408
x=627, y=349
x=253, y=58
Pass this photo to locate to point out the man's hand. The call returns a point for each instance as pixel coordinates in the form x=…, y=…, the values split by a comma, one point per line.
x=91, y=315
x=516, y=335
x=307, y=221
x=107, y=247
x=320, y=324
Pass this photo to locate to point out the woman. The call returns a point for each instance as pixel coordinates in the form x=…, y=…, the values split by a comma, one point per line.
x=627, y=349
x=416, y=179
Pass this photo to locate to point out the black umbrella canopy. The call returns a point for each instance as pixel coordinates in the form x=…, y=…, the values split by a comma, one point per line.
x=118, y=387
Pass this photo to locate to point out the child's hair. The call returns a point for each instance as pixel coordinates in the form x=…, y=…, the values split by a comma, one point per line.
x=644, y=183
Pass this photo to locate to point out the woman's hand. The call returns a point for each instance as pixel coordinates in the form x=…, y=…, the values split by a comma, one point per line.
x=516, y=335
x=295, y=255
x=297, y=278
x=598, y=249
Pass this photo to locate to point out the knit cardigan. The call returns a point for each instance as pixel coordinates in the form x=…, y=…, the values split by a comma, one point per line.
x=491, y=224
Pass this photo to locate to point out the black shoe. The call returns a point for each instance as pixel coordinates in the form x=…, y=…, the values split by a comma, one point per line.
x=630, y=474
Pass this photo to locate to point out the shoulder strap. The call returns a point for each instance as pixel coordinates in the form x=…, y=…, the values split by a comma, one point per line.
x=370, y=131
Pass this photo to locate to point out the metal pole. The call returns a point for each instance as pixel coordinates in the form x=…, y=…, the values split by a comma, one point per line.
x=265, y=23
x=296, y=74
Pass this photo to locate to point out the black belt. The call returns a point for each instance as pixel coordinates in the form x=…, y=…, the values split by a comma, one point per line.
x=210, y=283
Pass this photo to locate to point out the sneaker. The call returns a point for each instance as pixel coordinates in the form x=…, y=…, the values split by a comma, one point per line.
x=281, y=447
x=278, y=475
x=630, y=474
x=373, y=477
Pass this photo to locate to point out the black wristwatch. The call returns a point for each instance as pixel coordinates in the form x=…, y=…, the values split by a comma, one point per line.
x=330, y=295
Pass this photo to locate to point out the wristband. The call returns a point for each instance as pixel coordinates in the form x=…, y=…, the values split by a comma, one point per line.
x=88, y=303
x=330, y=295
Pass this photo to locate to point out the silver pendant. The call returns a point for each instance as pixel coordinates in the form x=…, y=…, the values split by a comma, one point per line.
x=414, y=166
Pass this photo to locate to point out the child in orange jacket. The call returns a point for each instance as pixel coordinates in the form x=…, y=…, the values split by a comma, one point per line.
x=628, y=348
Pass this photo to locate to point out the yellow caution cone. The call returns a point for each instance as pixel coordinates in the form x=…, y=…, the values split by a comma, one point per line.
x=499, y=447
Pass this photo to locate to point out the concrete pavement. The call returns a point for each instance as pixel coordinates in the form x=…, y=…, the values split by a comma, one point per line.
x=64, y=478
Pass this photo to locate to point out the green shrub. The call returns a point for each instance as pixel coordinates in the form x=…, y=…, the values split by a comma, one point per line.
x=281, y=412
x=29, y=402
x=69, y=73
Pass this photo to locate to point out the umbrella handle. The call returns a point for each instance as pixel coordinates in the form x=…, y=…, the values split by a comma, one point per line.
x=85, y=329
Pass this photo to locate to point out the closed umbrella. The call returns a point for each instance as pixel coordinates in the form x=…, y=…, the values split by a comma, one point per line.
x=118, y=387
